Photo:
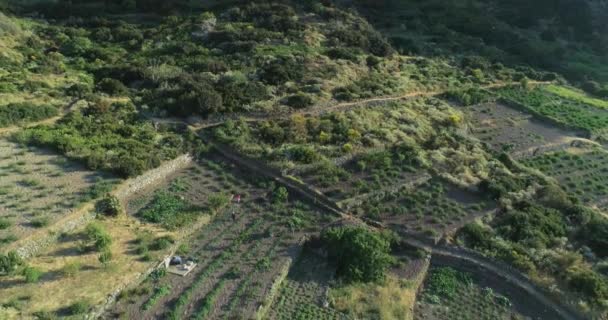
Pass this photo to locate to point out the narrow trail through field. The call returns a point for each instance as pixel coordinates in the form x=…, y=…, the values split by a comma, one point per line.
x=49, y=121
x=345, y=106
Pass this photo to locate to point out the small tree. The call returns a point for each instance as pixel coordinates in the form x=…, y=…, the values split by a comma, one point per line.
x=31, y=274
x=359, y=253
x=280, y=195
x=109, y=206
x=105, y=257
x=98, y=236
x=9, y=263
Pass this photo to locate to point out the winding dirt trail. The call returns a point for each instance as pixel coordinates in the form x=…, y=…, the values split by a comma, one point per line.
x=52, y=120
x=344, y=106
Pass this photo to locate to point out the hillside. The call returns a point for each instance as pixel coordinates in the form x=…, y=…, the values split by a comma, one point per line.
x=308, y=159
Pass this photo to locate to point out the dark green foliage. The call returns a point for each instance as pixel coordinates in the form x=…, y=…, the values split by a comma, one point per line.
x=532, y=225
x=282, y=70
x=10, y=262
x=112, y=86
x=162, y=243
x=78, y=307
x=595, y=235
x=342, y=53
x=114, y=140
x=169, y=210
x=97, y=236
x=105, y=256
x=109, y=206
x=299, y=101
x=280, y=195
x=469, y=96
x=359, y=253
x=447, y=282
x=588, y=283
x=18, y=113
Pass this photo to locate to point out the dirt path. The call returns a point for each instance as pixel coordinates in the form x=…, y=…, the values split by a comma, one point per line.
x=505, y=277
x=345, y=106
x=13, y=129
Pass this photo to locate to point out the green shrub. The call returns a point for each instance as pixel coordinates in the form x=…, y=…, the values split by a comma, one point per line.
x=280, y=195
x=32, y=274
x=17, y=113
x=40, y=222
x=162, y=243
x=112, y=87
x=78, y=307
x=5, y=223
x=109, y=206
x=169, y=210
x=447, y=282
x=105, y=256
x=299, y=101
x=9, y=263
x=97, y=236
x=359, y=253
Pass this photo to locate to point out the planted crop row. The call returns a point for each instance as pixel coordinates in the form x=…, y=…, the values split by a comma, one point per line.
x=177, y=310
x=243, y=286
x=158, y=294
x=209, y=300
x=570, y=113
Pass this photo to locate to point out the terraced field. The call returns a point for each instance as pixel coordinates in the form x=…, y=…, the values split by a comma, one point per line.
x=303, y=294
x=581, y=172
x=430, y=209
x=456, y=296
x=38, y=187
x=506, y=129
x=239, y=254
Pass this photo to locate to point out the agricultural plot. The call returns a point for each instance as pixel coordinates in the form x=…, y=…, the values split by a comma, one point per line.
x=38, y=187
x=70, y=277
x=449, y=294
x=303, y=294
x=571, y=113
x=581, y=172
x=505, y=129
x=239, y=254
x=350, y=153
x=429, y=209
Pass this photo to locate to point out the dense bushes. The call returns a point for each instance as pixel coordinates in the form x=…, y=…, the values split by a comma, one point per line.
x=97, y=237
x=17, y=113
x=109, y=206
x=532, y=225
x=113, y=140
x=595, y=235
x=359, y=253
x=169, y=210
x=9, y=263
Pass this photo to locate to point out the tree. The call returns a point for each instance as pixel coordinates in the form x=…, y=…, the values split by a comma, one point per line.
x=359, y=253
x=280, y=195
x=97, y=236
x=9, y=263
x=109, y=206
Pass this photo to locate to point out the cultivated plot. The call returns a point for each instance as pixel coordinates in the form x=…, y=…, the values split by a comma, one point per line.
x=430, y=209
x=506, y=129
x=450, y=294
x=581, y=172
x=38, y=187
x=239, y=254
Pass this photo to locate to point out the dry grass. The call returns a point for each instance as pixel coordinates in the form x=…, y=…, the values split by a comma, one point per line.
x=394, y=299
x=93, y=282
